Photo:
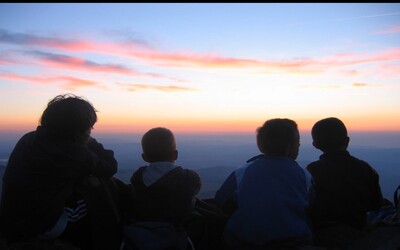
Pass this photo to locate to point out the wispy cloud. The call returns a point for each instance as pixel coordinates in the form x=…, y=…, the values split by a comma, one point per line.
x=188, y=59
x=350, y=72
x=68, y=83
x=390, y=70
x=77, y=63
x=132, y=87
x=363, y=85
x=321, y=86
x=7, y=58
x=80, y=64
x=349, y=18
x=391, y=30
x=302, y=65
x=336, y=86
x=359, y=85
x=73, y=45
x=365, y=17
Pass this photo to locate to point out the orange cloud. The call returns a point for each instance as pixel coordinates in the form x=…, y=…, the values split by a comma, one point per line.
x=358, y=85
x=349, y=72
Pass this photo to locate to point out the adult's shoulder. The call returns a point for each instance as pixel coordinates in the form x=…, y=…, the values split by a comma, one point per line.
x=27, y=136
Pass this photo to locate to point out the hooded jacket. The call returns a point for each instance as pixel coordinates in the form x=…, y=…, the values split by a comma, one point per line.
x=168, y=198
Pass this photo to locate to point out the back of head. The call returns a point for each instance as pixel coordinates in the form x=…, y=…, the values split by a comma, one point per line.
x=158, y=144
x=277, y=136
x=329, y=134
x=68, y=116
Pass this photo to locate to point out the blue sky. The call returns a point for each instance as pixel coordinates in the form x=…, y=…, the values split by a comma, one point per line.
x=203, y=66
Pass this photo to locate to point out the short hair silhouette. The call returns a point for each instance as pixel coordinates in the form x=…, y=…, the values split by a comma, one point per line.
x=276, y=135
x=68, y=115
x=158, y=144
x=329, y=134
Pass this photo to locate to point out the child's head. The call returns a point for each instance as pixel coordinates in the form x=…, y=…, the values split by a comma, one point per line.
x=158, y=144
x=330, y=134
x=279, y=137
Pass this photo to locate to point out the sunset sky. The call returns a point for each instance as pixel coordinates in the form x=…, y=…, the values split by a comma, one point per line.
x=203, y=67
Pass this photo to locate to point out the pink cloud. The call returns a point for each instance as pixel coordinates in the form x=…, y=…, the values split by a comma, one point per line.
x=26, y=39
x=77, y=63
x=69, y=83
x=189, y=59
x=73, y=83
x=61, y=61
x=392, y=30
x=390, y=70
x=303, y=65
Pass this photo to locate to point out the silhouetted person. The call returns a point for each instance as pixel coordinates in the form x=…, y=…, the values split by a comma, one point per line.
x=57, y=183
x=268, y=195
x=162, y=190
x=346, y=188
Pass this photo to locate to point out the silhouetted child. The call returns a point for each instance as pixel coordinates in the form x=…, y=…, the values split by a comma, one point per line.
x=163, y=191
x=346, y=188
x=268, y=196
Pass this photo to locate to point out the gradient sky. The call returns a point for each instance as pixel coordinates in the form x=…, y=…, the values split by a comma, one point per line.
x=203, y=66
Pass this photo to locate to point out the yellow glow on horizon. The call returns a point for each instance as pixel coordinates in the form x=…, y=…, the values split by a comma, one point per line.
x=373, y=122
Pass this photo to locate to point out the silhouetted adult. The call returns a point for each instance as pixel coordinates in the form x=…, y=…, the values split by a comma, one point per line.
x=268, y=196
x=57, y=183
x=346, y=188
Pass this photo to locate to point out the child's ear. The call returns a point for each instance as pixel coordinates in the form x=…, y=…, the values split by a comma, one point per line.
x=175, y=155
x=144, y=157
x=315, y=144
x=347, y=141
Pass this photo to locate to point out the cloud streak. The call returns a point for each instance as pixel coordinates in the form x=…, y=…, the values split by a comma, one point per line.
x=366, y=17
x=80, y=64
x=73, y=83
x=186, y=59
x=321, y=86
x=76, y=63
x=68, y=82
x=132, y=87
x=392, y=30
x=363, y=85
x=73, y=45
